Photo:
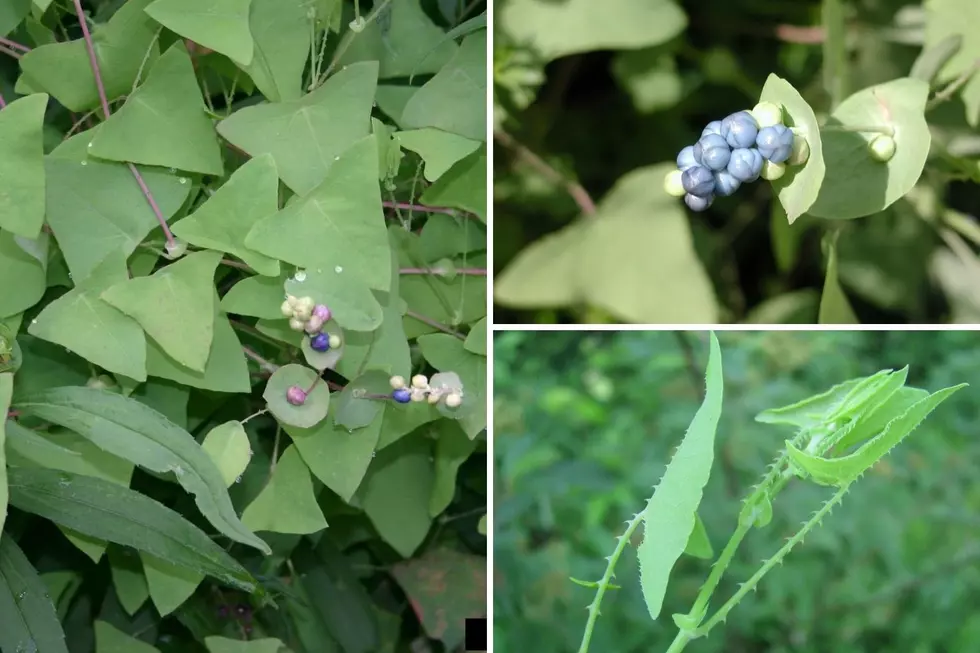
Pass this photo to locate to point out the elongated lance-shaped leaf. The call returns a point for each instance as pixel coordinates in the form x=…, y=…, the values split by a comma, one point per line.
x=872, y=422
x=824, y=407
x=136, y=432
x=28, y=621
x=844, y=470
x=670, y=514
x=107, y=511
x=864, y=400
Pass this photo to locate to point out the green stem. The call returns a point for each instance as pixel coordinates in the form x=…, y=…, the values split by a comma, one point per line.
x=607, y=580
x=680, y=642
x=348, y=39
x=950, y=90
x=860, y=129
x=752, y=582
x=718, y=569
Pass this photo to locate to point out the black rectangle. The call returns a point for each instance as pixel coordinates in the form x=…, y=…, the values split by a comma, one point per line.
x=476, y=634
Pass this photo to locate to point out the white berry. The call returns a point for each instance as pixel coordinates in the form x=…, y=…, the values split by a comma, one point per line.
x=287, y=309
x=397, y=382
x=334, y=341
x=418, y=394
x=420, y=381
x=296, y=324
x=453, y=400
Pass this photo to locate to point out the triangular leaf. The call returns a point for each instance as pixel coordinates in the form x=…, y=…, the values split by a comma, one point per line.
x=281, y=30
x=221, y=25
x=287, y=504
x=22, y=165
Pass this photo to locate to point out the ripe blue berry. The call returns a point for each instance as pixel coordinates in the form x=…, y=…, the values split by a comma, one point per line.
x=713, y=152
x=697, y=203
x=714, y=127
x=725, y=183
x=775, y=143
x=320, y=342
x=401, y=395
x=698, y=181
x=685, y=159
x=745, y=164
x=740, y=129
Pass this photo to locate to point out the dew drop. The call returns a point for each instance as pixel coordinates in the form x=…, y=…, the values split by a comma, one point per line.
x=337, y=158
x=21, y=595
x=34, y=321
x=300, y=276
x=172, y=170
x=374, y=453
x=338, y=269
x=90, y=145
x=183, y=180
x=84, y=163
x=238, y=479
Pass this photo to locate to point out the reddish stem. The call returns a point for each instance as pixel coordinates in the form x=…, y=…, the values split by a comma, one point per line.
x=434, y=324
x=94, y=63
x=13, y=53
x=439, y=272
x=2, y=103
x=266, y=365
x=14, y=45
x=11, y=414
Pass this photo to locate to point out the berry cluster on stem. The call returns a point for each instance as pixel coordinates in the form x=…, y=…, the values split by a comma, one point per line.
x=305, y=315
x=420, y=390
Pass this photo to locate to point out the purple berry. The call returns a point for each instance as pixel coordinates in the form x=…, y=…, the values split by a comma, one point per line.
x=725, y=183
x=685, y=159
x=775, y=143
x=713, y=152
x=322, y=312
x=746, y=164
x=320, y=342
x=714, y=127
x=296, y=395
x=402, y=395
x=697, y=203
x=698, y=181
x=740, y=129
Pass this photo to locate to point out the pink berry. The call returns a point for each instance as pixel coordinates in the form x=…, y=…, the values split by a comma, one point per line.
x=296, y=395
x=322, y=312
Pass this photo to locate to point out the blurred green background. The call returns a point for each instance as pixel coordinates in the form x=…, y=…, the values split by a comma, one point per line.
x=584, y=422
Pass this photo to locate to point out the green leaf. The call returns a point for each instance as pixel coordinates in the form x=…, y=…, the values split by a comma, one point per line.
x=857, y=184
x=140, y=434
x=63, y=69
x=169, y=584
x=287, y=504
x=447, y=354
x=335, y=455
x=464, y=186
x=6, y=391
x=221, y=25
x=453, y=447
x=407, y=44
x=22, y=165
x=281, y=31
x=351, y=302
x=943, y=19
x=175, y=306
x=454, y=100
x=28, y=621
x=163, y=122
x=221, y=223
x=306, y=136
x=443, y=606
x=846, y=469
x=12, y=12
x=306, y=415
x=228, y=446
x=17, y=264
x=67, y=451
x=698, y=544
x=257, y=296
x=798, y=188
x=834, y=306
x=324, y=360
x=816, y=410
x=933, y=58
x=355, y=408
x=476, y=339
x=107, y=511
x=128, y=578
x=669, y=516
x=225, y=371
x=94, y=208
x=545, y=273
x=217, y=644
x=559, y=29
x=877, y=417
x=110, y=640
x=80, y=321
x=338, y=226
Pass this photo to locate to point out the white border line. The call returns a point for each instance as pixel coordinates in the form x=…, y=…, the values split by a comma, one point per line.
x=490, y=331
x=732, y=327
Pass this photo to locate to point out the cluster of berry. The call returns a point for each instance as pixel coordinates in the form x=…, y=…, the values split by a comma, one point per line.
x=304, y=315
x=421, y=390
x=733, y=151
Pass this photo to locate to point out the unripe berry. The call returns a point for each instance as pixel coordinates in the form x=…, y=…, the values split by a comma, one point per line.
x=401, y=395
x=713, y=127
x=698, y=181
x=320, y=342
x=304, y=308
x=292, y=301
x=453, y=400
x=176, y=249
x=746, y=164
x=740, y=129
x=435, y=396
x=673, y=185
x=296, y=395
x=773, y=171
x=287, y=309
x=713, y=152
x=420, y=381
x=322, y=312
x=334, y=341
x=801, y=150
x=314, y=325
x=767, y=114
x=725, y=183
x=418, y=394
x=697, y=203
x=685, y=158
x=397, y=382
x=882, y=148
x=296, y=324
x=775, y=143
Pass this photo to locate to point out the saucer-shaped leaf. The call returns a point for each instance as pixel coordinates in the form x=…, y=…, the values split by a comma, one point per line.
x=306, y=415
x=323, y=360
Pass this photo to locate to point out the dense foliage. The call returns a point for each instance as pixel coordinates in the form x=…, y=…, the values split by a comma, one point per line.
x=231, y=233
x=593, y=102
x=585, y=424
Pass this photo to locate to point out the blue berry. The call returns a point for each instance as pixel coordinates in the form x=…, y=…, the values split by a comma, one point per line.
x=685, y=159
x=402, y=395
x=775, y=143
x=698, y=181
x=714, y=127
x=697, y=203
x=740, y=129
x=745, y=164
x=725, y=183
x=713, y=152
x=320, y=342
